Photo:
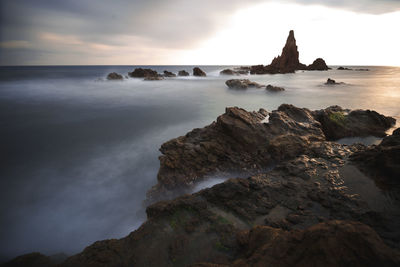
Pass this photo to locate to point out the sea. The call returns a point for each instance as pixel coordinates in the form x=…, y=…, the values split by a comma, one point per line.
x=79, y=152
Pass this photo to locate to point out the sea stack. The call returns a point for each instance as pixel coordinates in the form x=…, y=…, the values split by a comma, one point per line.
x=288, y=61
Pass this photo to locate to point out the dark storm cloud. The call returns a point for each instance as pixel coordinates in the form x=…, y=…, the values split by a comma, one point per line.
x=174, y=24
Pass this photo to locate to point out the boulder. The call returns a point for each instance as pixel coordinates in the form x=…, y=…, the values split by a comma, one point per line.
x=142, y=73
x=183, y=73
x=114, y=76
x=235, y=71
x=169, y=74
x=242, y=84
x=272, y=88
x=318, y=64
x=198, y=72
x=337, y=122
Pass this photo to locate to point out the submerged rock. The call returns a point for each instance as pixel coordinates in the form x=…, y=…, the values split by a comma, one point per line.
x=198, y=72
x=242, y=84
x=272, y=88
x=114, y=76
x=153, y=78
x=331, y=82
x=318, y=64
x=169, y=74
x=142, y=73
x=343, y=68
x=235, y=71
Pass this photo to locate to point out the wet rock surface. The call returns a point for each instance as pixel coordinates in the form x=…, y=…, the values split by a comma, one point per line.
x=240, y=141
x=242, y=84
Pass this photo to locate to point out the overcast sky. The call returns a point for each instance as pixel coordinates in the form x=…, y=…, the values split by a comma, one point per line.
x=153, y=32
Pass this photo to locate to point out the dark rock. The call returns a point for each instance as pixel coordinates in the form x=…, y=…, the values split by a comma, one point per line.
x=343, y=68
x=183, y=73
x=114, y=76
x=330, y=82
x=382, y=162
x=338, y=123
x=330, y=243
x=362, y=69
x=245, y=142
x=287, y=62
x=272, y=88
x=242, y=70
x=142, y=73
x=198, y=72
x=31, y=260
x=318, y=64
x=242, y=84
x=169, y=74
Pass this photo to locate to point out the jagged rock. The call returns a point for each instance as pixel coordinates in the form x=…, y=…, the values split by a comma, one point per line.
x=318, y=64
x=183, y=73
x=338, y=123
x=242, y=84
x=153, y=78
x=272, y=88
x=245, y=142
x=169, y=74
x=198, y=72
x=114, y=76
x=142, y=73
x=280, y=215
x=287, y=62
x=343, y=68
x=285, y=216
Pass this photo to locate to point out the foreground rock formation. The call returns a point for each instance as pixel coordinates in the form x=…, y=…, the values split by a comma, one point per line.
x=272, y=88
x=288, y=61
x=305, y=201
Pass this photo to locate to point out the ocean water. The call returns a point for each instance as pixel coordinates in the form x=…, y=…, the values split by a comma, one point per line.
x=78, y=152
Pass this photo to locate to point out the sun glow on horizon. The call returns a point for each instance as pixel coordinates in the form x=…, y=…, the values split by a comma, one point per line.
x=256, y=35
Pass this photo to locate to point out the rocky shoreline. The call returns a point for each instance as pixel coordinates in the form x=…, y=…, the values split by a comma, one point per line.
x=306, y=199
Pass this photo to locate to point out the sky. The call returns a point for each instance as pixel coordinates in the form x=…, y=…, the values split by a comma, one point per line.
x=187, y=32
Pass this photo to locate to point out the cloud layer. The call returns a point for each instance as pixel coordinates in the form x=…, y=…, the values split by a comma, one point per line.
x=84, y=32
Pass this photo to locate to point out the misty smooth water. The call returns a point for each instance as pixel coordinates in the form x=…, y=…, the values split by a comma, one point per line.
x=78, y=153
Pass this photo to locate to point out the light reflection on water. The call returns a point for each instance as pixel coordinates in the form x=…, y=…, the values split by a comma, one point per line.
x=79, y=153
